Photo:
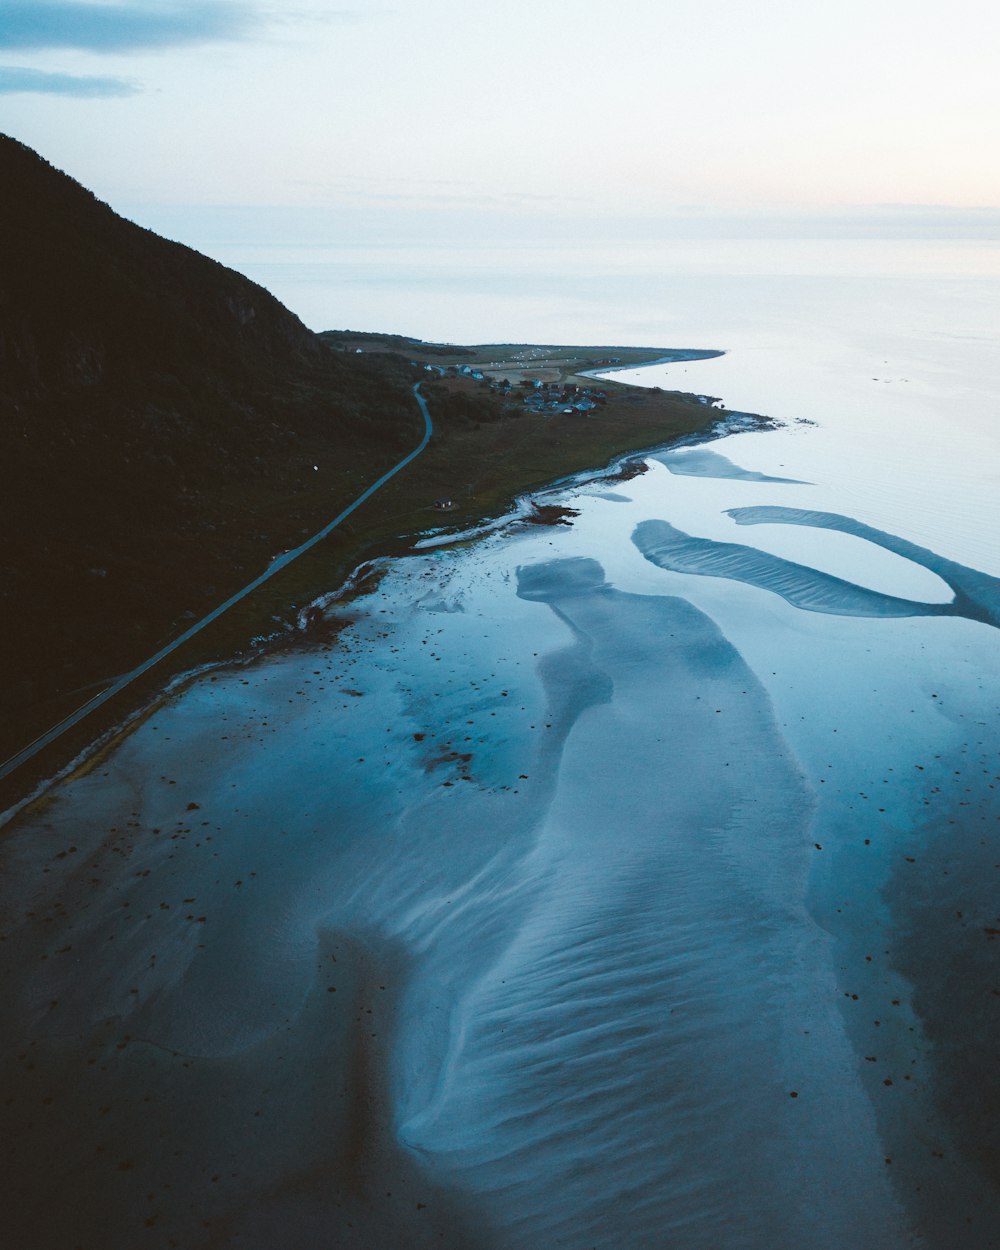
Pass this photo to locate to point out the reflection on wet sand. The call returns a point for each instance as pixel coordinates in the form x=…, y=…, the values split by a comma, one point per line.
x=644, y=1062
x=513, y=918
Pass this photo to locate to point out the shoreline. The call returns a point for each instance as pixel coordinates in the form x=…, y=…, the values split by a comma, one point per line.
x=276, y=565
x=858, y=1137
x=359, y=582
x=243, y=639
x=522, y=504
x=389, y=892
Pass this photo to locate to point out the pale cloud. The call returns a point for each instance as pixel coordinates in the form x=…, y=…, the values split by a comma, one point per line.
x=460, y=117
x=323, y=14
x=130, y=27
x=15, y=80
x=29, y=25
x=149, y=25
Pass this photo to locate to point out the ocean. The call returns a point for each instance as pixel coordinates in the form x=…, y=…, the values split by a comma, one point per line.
x=629, y=882
x=892, y=341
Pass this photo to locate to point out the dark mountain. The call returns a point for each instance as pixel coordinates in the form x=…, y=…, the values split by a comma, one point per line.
x=87, y=297
x=160, y=417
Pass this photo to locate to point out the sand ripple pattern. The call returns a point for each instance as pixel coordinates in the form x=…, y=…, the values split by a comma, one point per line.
x=700, y=462
x=977, y=595
x=621, y=1073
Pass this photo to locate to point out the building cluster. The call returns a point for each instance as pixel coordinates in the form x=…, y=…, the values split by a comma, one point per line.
x=552, y=397
x=540, y=397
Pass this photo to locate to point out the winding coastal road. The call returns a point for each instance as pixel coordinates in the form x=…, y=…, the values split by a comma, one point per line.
x=274, y=567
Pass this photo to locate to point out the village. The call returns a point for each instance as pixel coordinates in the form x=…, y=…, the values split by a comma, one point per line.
x=538, y=396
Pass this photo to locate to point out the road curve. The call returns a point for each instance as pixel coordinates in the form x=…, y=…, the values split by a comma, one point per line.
x=276, y=565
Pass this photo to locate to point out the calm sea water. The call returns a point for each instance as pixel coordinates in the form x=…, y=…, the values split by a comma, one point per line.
x=894, y=344
x=628, y=883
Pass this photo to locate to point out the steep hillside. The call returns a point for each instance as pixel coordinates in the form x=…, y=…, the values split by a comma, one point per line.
x=160, y=420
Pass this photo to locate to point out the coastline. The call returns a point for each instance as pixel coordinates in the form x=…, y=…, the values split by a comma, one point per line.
x=357, y=728
x=311, y=807
x=522, y=465
x=526, y=508
x=279, y=562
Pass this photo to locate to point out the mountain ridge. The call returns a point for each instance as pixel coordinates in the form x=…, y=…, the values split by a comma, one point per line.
x=160, y=420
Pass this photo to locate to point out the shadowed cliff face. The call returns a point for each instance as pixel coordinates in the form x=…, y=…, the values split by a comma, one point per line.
x=87, y=297
x=160, y=417
x=109, y=332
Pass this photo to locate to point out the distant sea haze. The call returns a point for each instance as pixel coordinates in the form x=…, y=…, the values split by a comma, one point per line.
x=868, y=332
x=564, y=289
x=628, y=882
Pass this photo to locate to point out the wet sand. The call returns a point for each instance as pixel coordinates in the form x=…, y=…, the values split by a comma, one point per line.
x=569, y=893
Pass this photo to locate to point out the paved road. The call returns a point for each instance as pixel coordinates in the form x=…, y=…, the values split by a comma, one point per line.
x=274, y=567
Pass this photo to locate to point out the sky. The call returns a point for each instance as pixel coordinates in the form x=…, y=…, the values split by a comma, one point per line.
x=396, y=121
